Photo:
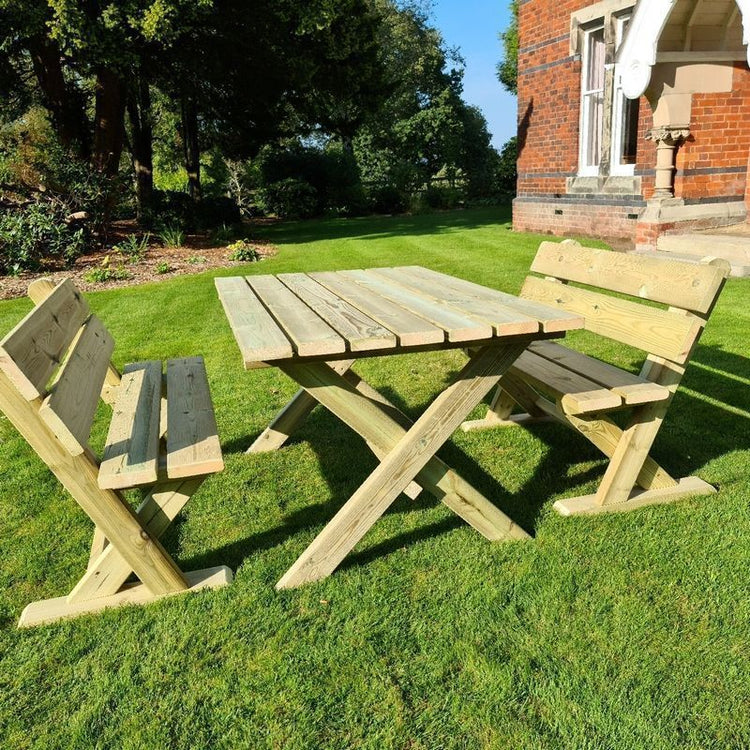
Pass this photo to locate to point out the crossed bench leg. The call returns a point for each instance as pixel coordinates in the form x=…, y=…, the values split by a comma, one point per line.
x=407, y=453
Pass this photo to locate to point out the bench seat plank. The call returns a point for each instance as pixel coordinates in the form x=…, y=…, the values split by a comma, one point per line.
x=131, y=453
x=257, y=333
x=360, y=331
x=193, y=447
x=458, y=327
x=310, y=334
x=576, y=393
x=505, y=322
x=70, y=407
x=632, y=388
x=410, y=329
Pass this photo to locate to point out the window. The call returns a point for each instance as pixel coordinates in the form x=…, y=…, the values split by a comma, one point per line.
x=592, y=101
x=607, y=144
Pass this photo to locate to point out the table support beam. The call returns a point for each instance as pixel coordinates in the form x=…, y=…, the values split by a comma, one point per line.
x=408, y=453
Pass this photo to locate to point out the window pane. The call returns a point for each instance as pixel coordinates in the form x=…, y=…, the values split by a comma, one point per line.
x=593, y=135
x=595, y=60
x=629, y=131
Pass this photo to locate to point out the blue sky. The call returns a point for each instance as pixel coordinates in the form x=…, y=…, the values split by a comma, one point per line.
x=473, y=26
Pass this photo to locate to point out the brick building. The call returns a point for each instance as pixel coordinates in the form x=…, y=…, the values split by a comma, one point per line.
x=634, y=117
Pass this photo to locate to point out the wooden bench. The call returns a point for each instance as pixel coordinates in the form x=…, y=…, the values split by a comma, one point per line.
x=552, y=381
x=54, y=367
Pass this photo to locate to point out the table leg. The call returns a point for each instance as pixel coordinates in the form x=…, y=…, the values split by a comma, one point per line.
x=411, y=454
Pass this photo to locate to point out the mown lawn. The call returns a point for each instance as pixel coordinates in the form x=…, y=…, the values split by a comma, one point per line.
x=624, y=631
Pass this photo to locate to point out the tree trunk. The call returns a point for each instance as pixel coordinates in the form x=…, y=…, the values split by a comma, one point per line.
x=64, y=102
x=191, y=146
x=109, y=125
x=142, y=146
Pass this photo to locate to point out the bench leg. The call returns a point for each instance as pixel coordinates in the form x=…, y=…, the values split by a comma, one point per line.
x=499, y=414
x=404, y=461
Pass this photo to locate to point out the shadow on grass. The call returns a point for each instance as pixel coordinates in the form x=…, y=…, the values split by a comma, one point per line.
x=372, y=227
x=687, y=441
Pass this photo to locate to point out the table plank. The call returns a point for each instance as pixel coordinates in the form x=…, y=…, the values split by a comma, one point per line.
x=360, y=331
x=458, y=327
x=551, y=319
x=258, y=335
x=505, y=320
x=410, y=329
x=309, y=333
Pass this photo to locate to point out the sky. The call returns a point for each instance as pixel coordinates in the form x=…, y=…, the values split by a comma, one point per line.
x=473, y=26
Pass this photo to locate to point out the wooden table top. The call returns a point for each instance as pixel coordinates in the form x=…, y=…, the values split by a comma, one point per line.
x=379, y=311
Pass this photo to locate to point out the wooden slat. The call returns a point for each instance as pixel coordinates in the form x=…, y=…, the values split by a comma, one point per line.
x=360, y=331
x=193, y=446
x=31, y=352
x=665, y=333
x=686, y=285
x=70, y=407
x=632, y=388
x=310, y=335
x=461, y=292
x=410, y=329
x=458, y=327
x=576, y=393
x=131, y=453
x=504, y=321
x=258, y=335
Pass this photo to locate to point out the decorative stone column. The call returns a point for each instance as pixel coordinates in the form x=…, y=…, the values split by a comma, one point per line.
x=666, y=138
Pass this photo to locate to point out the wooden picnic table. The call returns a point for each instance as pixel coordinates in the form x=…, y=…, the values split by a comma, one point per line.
x=314, y=326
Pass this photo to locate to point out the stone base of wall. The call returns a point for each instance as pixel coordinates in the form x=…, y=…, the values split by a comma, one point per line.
x=672, y=216
x=607, y=220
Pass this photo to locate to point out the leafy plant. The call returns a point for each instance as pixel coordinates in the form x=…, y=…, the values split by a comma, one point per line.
x=243, y=251
x=163, y=267
x=197, y=259
x=134, y=247
x=105, y=271
x=171, y=236
x=224, y=233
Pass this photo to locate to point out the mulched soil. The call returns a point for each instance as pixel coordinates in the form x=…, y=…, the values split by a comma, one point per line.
x=198, y=254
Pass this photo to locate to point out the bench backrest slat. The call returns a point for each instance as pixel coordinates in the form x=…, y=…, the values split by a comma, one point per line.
x=685, y=285
x=31, y=352
x=665, y=333
x=70, y=407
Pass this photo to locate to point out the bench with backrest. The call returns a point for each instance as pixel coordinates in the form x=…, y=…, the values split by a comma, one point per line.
x=553, y=381
x=54, y=368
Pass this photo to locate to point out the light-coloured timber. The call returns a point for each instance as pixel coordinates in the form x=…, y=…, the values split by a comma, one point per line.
x=257, y=333
x=360, y=331
x=53, y=610
x=504, y=320
x=131, y=452
x=662, y=332
x=193, y=446
x=33, y=350
x=667, y=336
x=309, y=333
x=57, y=429
x=686, y=285
x=401, y=465
x=71, y=404
x=457, y=326
x=638, y=498
x=550, y=319
x=410, y=329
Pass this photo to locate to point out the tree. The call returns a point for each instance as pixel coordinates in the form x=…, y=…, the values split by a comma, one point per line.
x=507, y=68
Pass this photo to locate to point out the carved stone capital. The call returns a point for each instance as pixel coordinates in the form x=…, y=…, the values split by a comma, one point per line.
x=669, y=135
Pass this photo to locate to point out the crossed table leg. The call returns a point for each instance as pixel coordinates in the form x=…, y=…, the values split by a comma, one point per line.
x=407, y=453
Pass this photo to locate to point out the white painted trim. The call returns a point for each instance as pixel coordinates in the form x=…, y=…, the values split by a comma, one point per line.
x=638, y=54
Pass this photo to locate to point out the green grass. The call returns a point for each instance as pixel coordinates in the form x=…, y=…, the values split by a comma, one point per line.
x=626, y=631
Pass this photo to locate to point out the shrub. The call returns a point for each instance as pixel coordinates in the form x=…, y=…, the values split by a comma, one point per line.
x=387, y=199
x=105, y=271
x=442, y=196
x=171, y=236
x=37, y=235
x=290, y=198
x=133, y=247
x=243, y=251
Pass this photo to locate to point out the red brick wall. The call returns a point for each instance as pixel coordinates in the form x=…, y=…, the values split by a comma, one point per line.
x=719, y=139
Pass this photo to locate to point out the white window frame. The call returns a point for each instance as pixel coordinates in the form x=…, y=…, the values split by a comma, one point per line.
x=587, y=170
x=616, y=167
